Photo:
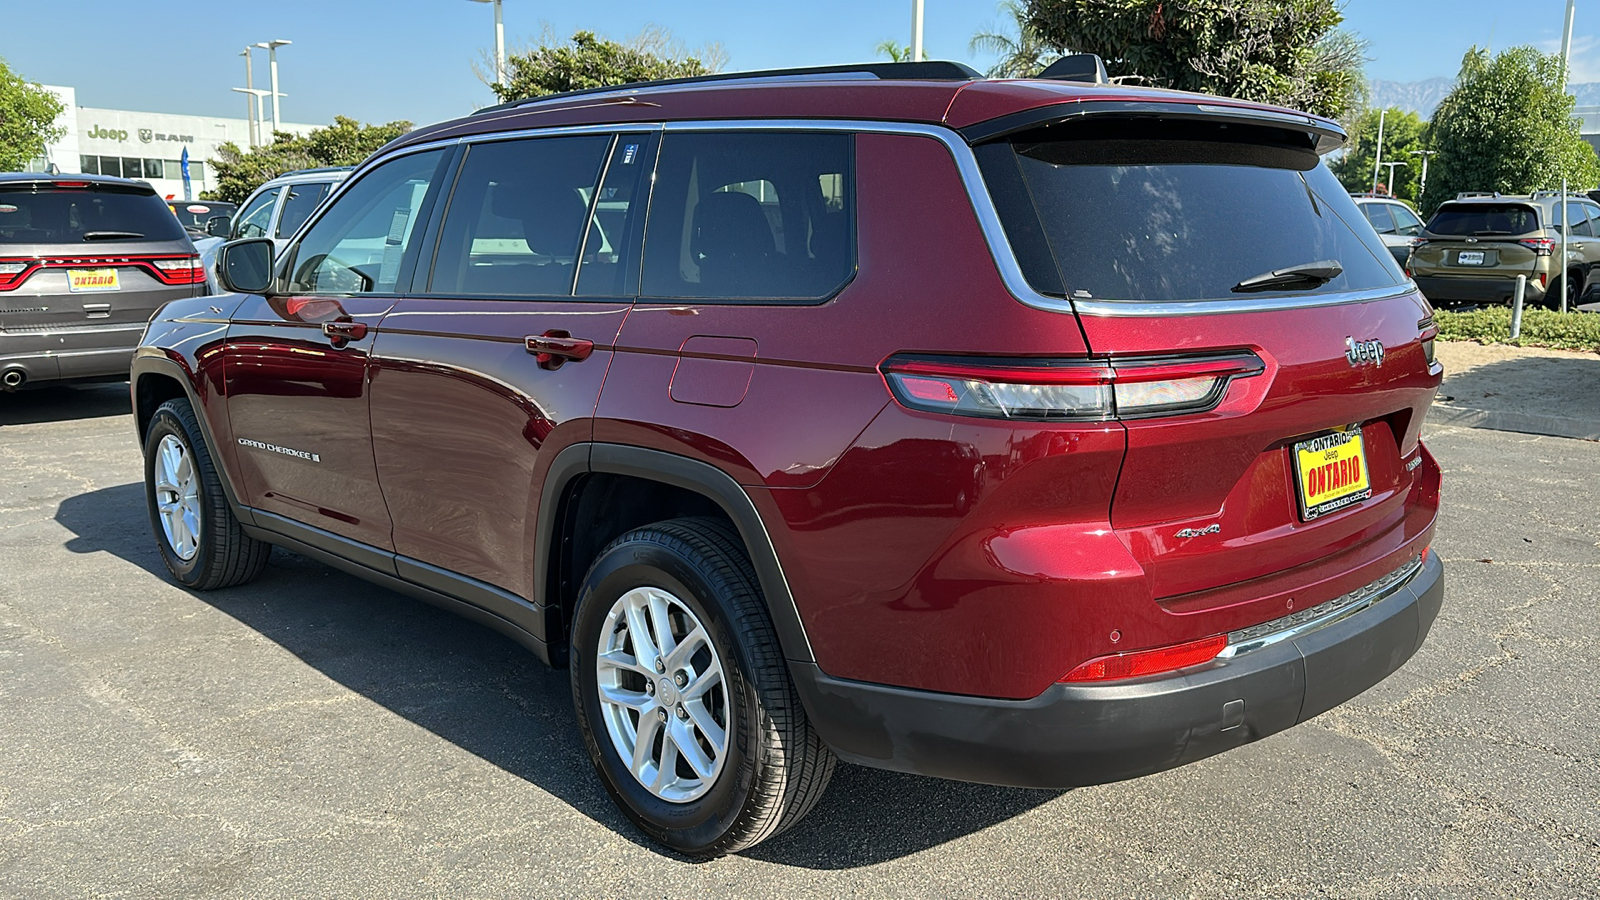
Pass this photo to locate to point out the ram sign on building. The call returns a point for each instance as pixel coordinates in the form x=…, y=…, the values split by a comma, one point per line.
x=143, y=145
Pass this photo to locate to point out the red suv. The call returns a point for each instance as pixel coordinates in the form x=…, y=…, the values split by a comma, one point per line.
x=1029, y=432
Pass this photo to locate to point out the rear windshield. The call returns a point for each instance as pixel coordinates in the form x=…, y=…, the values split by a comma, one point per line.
x=1481, y=219
x=84, y=215
x=1157, y=211
x=195, y=215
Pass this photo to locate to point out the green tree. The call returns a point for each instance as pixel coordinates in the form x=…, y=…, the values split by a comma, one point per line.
x=1288, y=52
x=1508, y=126
x=27, y=120
x=344, y=143
x=591, y=61
x=1403, y=132
x=1023, y=52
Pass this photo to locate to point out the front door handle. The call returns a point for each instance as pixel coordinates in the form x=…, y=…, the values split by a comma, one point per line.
x=555, y=347
x=340, y=332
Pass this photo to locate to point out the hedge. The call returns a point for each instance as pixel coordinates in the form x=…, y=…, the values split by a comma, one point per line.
x=1540, y=328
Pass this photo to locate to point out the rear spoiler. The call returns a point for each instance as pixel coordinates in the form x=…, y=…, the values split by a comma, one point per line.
x=1325, y=135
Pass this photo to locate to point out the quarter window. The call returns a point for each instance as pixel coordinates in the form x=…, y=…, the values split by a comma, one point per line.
x=516, y=219
x=253, y=219
x=359, y=244
x=751, y=215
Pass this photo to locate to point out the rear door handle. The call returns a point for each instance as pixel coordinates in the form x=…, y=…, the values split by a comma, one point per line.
x=344, y=331
x=555, y=347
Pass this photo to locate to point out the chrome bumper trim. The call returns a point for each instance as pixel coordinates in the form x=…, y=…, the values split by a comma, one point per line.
x=1322, y=615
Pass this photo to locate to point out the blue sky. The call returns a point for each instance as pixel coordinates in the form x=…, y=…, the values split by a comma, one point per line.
x=379, y=60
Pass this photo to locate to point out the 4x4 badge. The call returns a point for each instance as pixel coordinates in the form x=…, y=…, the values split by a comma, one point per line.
x=1362, y=352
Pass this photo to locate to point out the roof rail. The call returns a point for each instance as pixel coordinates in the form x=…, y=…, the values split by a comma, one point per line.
x=928, y=70
x=317, y=169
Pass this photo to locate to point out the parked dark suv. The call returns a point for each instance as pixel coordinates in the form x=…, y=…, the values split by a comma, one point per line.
x=1023, y=432
x=85, y=260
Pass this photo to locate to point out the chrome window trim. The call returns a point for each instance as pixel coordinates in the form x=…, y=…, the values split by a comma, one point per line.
x=977, y=194
x=1300, y=624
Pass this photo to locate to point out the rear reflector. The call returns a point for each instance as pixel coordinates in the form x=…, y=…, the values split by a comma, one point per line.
x=1064, y=389
x=1149, y=662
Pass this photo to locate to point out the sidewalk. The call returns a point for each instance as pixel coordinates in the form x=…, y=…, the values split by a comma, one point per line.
x=1523, y=389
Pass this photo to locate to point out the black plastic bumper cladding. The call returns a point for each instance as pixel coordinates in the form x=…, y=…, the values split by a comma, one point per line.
x=1076, y=734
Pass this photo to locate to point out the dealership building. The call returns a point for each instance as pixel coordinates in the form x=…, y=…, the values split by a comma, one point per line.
x=144, y=145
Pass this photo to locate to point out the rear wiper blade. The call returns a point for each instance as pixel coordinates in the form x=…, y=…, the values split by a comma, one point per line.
x=110, y=235
x=1304, y=276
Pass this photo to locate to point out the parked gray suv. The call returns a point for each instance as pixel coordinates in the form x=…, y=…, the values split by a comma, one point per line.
x=85, y=260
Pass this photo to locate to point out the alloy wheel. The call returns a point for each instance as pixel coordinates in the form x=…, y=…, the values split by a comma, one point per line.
x=177, y=497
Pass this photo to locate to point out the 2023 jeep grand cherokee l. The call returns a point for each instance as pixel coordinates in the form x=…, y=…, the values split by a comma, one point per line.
x=889, y=415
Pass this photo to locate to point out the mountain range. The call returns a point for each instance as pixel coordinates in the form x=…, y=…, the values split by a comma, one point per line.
x=1421, y=97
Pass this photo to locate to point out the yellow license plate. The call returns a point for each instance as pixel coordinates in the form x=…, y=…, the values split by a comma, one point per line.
x=88, y=281
x=1331, y=473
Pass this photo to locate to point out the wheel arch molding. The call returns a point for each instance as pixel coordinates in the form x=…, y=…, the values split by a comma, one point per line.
x=151, y=381
x=558, y=520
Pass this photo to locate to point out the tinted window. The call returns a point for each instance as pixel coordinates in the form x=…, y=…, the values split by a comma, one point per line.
x=1484, y=219
x=1378, y=214
x=1405, y=221
x=84, y=215
x=360, y=242
x=751, y=215
x=1157, y=211
x=610, y=264
x=1576, y=219
x=252, y=220
x=194, y=216
x=298, y=206
x=90, y=165
x=516, y=217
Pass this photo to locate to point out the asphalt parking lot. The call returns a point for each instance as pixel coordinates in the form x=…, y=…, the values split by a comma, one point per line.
x=312, y=735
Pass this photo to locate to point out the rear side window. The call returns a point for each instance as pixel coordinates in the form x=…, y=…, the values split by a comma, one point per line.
x=85, y=215
x=298, y=206
x=1161, y=211
x=515, y=223
x=1405, y=221
x=754, y=216
x=1484, y=219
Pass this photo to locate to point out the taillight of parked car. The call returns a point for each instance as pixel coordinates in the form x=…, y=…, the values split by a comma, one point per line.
x=1064, y=389
x=1430, y=332
x=1149, y=662
x=1540, y=246
x=12, y=271
x=183, y=270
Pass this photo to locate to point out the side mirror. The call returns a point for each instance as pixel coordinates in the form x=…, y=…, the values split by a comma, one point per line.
x=245, y=267
x=217, y=226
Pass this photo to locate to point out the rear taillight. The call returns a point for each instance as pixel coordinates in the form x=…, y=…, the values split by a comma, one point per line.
x=1430, y=332
x=1418, y=242
x=12, y=271
x=1064, y=389
x=1149, y=662
x=185, y=270
x=1540, y=246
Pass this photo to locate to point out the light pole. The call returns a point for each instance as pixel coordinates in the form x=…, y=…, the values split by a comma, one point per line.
x=1392, y=166
x=249, y=105
x=499, y=43
x=1566, y=43
x=1377, y=160
x=916, y=30
x=257, y=93
x=272, y=60
x=1423, y=189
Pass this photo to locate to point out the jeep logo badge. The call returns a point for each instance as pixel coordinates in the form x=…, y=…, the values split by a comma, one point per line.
x=1363, y=352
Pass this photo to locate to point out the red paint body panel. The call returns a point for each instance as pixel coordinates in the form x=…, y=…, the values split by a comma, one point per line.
x=465, y=423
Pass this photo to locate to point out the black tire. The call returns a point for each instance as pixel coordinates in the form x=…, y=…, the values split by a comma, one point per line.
x=224, y=555
x=776, y=767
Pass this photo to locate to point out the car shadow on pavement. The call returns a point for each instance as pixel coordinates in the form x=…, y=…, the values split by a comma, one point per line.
x=488, y=696
x=61, y=403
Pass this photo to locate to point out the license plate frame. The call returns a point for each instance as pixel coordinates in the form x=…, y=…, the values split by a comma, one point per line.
x=93, y=281
x=1471, y=258
x=1331, y=472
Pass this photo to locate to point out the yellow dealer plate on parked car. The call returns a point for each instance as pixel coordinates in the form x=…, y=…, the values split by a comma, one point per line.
x=88, y=281
x=1331, y=472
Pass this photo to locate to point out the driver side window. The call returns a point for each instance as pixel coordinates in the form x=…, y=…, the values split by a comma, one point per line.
x=252, y=220
x=358, y=245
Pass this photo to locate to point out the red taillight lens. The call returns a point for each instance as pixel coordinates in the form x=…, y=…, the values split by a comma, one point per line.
x=185, y=270
x=1069, y=389
x=1540, y=246
x=1149, y=662
x=12, y=271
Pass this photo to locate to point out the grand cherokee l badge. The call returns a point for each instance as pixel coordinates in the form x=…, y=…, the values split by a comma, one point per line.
x=1362, y=352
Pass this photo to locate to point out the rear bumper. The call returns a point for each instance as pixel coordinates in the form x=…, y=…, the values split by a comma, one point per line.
x=1075, y=735
x=71, y=353
x=1480, y=289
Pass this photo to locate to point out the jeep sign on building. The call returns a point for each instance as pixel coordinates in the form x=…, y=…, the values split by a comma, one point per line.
x=143, y=145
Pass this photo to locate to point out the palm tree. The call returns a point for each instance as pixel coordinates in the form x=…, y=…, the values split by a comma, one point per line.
x=1022, y=53
x=895, y=52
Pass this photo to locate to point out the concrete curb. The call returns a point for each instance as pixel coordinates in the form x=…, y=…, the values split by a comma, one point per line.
x=1501, y=420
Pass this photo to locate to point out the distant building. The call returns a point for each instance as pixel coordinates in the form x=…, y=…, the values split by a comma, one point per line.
x=1590, y=129
x=144, y=145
